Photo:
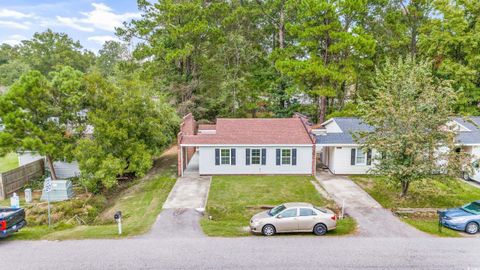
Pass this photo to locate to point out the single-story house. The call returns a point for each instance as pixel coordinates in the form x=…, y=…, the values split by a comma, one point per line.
x=338, y=150
x=247, y=146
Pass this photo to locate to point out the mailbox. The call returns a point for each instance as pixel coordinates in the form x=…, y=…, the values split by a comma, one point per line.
x=118, y=219
x=118, y=215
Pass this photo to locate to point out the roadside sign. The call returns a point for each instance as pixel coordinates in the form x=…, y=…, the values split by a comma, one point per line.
x=48, y=185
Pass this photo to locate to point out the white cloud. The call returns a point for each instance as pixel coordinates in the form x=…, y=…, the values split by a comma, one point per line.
x=14, y=39
x=102, y=39
x=9, y=13
x=71, y=22
x=14, y=25
x=101, y=17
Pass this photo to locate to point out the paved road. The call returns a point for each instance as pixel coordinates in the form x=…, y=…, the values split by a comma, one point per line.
x=283, y=252
x=373, y=220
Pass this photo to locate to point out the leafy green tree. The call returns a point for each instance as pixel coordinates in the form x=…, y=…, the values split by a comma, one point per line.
x=451, y=40
x=48, y=50
x=11, y=71
x=176, y=42
x=42, y=115
x=410, y=116
x=130, y=126
x=110, y=56
x=328, y=45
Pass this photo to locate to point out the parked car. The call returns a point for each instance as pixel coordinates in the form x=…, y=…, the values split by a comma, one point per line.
x=294, y=217
x=465, y=218
x=11, y=221
x=475, y=174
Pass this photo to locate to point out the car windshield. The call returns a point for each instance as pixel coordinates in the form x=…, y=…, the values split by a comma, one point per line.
x=276, y=210
x=473, y=208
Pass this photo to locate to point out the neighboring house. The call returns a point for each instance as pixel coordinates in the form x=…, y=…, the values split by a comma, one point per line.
x=339, y=152
x=338, y=149
x=63, y=169
x=248, y=146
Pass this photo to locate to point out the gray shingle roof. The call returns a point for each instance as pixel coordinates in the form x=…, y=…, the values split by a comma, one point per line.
x=473, y=124
x=351, y=125
x=348, y=125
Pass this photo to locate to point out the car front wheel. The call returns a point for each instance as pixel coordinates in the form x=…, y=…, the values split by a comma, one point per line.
x=471, y=228
x=320, y=229
x=268, y=230
x=465, y=176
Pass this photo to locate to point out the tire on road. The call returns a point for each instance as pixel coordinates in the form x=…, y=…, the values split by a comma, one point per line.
x=465, y=176
x=268, y=230
x=320, y=229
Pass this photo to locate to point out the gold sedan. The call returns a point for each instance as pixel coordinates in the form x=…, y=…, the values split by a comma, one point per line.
x=294, y=217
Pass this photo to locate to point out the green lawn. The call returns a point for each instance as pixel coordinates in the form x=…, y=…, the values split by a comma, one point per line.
x=140, y=205
x=436, y=192
x=8, y=162
x=234, y=199
x=430, y=225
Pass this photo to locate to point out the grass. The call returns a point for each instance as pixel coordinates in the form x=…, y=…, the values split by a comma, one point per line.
x=233, y=200
x=435, y=192
x=429, y=225
x=140, y=205
x=8, y=162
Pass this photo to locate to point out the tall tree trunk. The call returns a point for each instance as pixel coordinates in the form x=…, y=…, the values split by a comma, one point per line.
x=51, y=167
x=281, y=28
x=405, y=185
x=322, y=109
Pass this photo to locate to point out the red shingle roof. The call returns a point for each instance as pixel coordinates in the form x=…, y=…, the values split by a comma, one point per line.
x=206, y=127
x=254, y=131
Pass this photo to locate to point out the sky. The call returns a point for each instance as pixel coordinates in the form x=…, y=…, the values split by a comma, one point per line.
x=90, y=22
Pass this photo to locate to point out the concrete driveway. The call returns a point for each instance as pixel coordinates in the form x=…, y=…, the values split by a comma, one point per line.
x=373, y=220
x=191, y=190
x=184, y=206
x=176, y=223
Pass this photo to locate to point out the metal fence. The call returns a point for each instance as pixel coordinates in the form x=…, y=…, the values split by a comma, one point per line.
x=15, y=179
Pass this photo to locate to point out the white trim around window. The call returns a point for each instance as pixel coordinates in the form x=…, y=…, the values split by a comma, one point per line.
x=256, y=156
x=286, y=156
x=360, y=157
x=225, y=156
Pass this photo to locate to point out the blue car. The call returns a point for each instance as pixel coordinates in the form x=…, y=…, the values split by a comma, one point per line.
x=465, y=218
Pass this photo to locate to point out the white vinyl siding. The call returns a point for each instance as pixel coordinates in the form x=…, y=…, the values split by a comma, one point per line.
x=207, y=161
x=339, y=160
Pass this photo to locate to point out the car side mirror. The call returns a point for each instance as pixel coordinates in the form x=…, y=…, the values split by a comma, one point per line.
x=279, y=216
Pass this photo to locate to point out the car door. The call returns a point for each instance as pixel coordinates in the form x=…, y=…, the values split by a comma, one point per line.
x=307, y=219
x=286, y=221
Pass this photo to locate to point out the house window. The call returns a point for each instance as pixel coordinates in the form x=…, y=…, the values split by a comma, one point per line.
x=286, y=156
x=255, y=156
x=225, y=156
x=360, y=158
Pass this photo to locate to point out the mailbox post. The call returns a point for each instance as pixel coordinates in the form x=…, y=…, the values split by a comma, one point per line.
x=118, y=219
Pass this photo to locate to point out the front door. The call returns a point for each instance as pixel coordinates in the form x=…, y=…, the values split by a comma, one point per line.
x=287, y=221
